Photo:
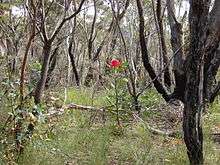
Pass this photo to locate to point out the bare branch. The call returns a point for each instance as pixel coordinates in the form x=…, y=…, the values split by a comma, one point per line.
x=144, y=51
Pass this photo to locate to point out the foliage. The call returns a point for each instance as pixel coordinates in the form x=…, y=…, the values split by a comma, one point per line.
x=95, y=58
x=118, y=97
x=73, y=138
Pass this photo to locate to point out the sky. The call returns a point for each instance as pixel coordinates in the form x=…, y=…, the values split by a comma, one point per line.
x=179, y=12
x=17, y=11
x=184, y=7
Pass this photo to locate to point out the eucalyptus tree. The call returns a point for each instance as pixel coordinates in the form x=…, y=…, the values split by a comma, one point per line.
x=48, y=39
x=201, y=64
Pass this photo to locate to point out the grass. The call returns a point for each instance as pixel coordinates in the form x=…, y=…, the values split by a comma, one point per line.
x=85, y=97
x=72, y=138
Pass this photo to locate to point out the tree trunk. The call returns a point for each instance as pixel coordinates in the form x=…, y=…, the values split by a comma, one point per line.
x=43, y=77
x=192, y=127
x=177, y=43
x=52, y=65
x=193, y=135
x=193, y=109
x=144, y=52
x=72, y=60
x=194, y=65
x=162, y=44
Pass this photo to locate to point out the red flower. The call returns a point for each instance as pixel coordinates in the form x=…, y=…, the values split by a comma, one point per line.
x=115, y=63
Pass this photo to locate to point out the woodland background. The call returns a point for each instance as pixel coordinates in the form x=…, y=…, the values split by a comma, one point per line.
x=63, y=102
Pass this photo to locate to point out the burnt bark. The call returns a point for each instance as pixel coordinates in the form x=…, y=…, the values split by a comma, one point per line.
x=212, y=58
x=71, y=50
x=211, y=86
x=194, y=100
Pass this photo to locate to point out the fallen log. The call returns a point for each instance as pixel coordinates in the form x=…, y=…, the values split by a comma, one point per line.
x=82, y=107
x=56, y=112
x=154, y=130
x=70, y=106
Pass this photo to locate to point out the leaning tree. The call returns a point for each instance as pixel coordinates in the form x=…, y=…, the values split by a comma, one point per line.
x=194, y=71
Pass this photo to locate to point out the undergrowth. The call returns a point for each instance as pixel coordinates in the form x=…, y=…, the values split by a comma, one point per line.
x=82, y=137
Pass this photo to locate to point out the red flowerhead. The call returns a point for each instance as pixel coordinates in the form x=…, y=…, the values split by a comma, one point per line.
x=115, y=63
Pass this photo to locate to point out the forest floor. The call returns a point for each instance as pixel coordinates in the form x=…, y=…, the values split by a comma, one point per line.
x=79, y=136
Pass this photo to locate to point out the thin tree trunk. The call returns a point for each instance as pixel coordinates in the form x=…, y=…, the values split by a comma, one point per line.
x=91, y=36
x=52, y=65
x=162, y=44
x=19, y=122
x=72, y=60
x=43, y=77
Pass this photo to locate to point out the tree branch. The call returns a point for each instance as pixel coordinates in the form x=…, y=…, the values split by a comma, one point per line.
x=159, y=87
x=58, y=27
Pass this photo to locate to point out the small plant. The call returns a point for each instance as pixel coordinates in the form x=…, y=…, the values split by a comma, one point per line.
x=118, y=95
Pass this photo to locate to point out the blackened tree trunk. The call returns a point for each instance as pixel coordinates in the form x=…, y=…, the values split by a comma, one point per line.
x=212, y=58
x=92, y=33
x=71, y=50
x=193, y=108
x=72, y=60
x=25, y=58
x=194, y=80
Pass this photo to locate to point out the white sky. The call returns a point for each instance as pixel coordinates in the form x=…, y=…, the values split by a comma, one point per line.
x=17, y=11
x=90, y=10
x=179, y=12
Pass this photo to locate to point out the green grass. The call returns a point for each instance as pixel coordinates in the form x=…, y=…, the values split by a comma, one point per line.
x=85, y=97
x=73, y=138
